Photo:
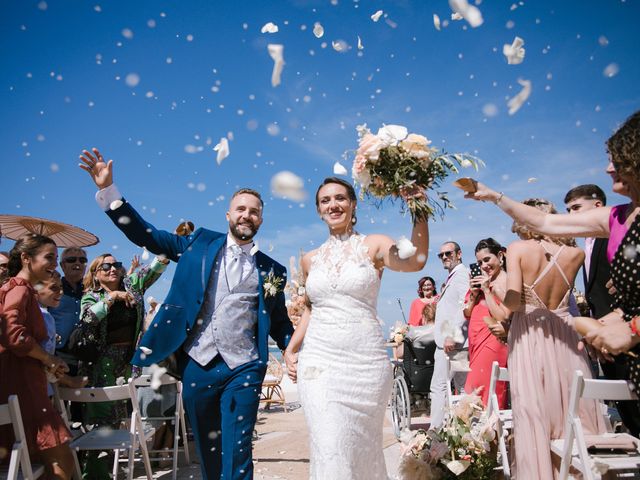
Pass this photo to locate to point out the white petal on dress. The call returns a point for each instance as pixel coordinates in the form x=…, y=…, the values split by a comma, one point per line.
x=344, y=372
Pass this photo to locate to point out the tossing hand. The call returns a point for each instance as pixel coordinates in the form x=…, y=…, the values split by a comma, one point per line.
x=483, y=193
x=101, y=173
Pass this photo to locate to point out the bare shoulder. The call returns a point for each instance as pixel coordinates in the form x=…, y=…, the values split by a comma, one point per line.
x=518, y=247
x=307, y=258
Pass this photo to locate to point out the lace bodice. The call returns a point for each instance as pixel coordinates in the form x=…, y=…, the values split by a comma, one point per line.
x=343, y=283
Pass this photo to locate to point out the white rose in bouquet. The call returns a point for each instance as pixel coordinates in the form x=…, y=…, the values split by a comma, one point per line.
x=369, y=146
x=392, y=135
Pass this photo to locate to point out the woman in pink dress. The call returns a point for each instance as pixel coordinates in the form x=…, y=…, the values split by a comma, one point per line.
x=427, y=297
x=486, y=316
x=543, y=346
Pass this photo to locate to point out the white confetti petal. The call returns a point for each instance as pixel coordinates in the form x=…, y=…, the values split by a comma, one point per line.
x=146, y=350
x=223, y=150
x=318, y=30
x=514, y=52
x=376, y=16
x=275, y=51
x=339, y=45
x=611, y=70
x=132, y=80
x=470, y=13
x=456, y=16
x=269, y=27
x=436, y=21
x=406, y=249
x=339, y=169
x=360, y=46
x=288, y=185
x=145, y=255
x=115, y=204
x=517, y=101
x=156, y=375
x=532, y=180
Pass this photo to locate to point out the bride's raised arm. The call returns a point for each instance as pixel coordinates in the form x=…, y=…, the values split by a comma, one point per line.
x=387, y=253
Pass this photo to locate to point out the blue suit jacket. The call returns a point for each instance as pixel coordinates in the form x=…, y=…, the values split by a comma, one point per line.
x=195, y=255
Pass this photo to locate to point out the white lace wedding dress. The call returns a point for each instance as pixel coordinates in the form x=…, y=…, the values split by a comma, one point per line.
x=344, y=372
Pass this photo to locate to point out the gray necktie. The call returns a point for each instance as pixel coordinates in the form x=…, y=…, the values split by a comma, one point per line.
x=234, y=267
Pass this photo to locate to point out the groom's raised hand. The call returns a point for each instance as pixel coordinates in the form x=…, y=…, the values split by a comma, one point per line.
x=93, y=163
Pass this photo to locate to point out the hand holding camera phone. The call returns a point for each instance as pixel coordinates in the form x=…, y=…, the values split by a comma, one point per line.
x=476, y=271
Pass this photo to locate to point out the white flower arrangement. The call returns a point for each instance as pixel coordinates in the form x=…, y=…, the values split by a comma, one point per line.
x=272, y=285
x=465, y=446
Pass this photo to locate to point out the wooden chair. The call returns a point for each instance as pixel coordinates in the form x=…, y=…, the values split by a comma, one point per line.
x=271, y=389
x=20, y=465
x=178, y=421
x=131, y=439
x=574, y=449
x=505, y=417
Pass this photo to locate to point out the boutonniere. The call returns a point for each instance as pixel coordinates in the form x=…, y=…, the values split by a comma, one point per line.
x=272, y=285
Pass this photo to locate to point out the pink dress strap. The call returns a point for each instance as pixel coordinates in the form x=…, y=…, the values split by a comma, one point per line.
x=617, y=229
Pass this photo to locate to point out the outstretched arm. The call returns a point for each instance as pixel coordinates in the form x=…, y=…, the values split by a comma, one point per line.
x=513, y=297
x=124, y=216
x=387, y=254
x=589, y=223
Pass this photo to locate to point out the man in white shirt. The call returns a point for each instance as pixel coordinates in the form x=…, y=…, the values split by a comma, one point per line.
x=450, y=330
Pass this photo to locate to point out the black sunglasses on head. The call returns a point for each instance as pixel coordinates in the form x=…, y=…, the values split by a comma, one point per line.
x=105, y=267
x=75, y=259
x=447, y=254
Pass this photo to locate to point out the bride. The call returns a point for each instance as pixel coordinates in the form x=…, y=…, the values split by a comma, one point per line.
x=337, y=352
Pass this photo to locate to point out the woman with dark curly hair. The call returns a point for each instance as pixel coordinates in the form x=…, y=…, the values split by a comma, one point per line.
x=425, y=304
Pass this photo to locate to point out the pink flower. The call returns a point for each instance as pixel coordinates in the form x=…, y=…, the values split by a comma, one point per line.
x=359, y=163
x=370, y=146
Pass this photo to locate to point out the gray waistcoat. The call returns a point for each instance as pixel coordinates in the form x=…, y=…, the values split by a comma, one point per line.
x=227, y=321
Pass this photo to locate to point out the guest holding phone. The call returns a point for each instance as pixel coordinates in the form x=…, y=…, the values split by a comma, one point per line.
x=487, y=321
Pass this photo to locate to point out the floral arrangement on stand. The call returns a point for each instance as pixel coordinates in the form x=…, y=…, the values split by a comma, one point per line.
x=464, y=447
x=295, y=288
x=397, y=165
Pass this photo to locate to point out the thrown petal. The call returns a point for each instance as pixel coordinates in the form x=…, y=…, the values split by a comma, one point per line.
x=269, y=27
x=516, y=102
x=376, y=16
x=275, y=51
x=514, y=52
x=223, y=150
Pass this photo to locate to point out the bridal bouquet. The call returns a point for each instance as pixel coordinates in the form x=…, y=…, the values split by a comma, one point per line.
x=398, y=333
x=465, y=447
x=295, y=289
x=395, y=164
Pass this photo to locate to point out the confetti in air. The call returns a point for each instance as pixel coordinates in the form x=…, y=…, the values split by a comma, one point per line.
x=516, y=102
x=339, y=169
x=275, y=51
x=514, y=52
x=223, y=150
x=318, y=30
x=470, y=13
x=288, y=185
x=269, y=28
x=405, y=248
x=436, y=21
x=376, y=16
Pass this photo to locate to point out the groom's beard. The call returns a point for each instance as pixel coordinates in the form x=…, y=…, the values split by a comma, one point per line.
x=246, y=231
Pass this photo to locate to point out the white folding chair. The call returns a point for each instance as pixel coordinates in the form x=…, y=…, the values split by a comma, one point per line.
x=573, y=449
x=106, y=438
x=19, y=464
x=453, y=367
x=178, y=421
x=504, y=417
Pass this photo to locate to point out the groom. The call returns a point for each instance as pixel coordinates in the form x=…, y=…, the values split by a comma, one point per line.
x=216, y=317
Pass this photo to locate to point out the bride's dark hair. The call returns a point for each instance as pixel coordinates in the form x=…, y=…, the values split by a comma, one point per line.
x=350, y=192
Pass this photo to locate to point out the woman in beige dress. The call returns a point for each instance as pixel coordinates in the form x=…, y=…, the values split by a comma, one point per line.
x=543, y=346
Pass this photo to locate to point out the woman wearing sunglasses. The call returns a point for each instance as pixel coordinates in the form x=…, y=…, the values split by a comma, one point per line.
x=113, y=309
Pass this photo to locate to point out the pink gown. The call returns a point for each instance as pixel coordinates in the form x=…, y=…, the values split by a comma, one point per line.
x=543, y=356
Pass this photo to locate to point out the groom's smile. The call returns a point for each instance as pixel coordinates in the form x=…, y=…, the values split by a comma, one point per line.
x=245, y=217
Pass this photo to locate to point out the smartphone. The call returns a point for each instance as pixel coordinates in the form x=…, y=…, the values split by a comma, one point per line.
x=475, y=269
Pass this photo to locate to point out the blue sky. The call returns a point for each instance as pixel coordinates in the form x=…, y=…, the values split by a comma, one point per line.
x=204, y=73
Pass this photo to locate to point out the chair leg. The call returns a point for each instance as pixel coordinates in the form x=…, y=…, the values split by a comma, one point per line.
x=116, y=464
x=185, y=439
x=77, y=471
x=176, y=436
x=130, y=462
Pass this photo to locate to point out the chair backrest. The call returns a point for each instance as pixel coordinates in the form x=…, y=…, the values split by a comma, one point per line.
x=95, y=394
x=146, y=380
x=498, y=374
x=10, y=414
x=607, y=389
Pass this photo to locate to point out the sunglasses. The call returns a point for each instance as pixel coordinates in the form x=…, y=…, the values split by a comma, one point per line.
x=442, y=255
x=75, y=259
x=105, y=267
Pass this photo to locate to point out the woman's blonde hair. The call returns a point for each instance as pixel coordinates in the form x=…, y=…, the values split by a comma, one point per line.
x=526, y=234
x=90, y=282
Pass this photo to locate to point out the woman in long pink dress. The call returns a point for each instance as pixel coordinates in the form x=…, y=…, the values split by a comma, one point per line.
x=543, y=346
x=486, y=317
x=427, y=297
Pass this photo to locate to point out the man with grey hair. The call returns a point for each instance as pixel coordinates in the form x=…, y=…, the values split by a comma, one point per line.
x=450, y=330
